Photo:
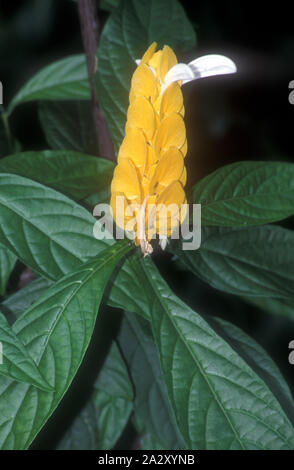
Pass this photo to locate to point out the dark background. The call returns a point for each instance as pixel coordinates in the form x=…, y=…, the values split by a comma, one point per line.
x=242, y=117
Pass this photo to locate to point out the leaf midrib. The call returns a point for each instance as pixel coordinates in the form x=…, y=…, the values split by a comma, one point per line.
x=51, y=411
x=158, y=296
x=152, y=369
x=12, y=208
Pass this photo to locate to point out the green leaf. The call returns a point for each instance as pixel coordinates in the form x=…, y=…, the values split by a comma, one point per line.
x=284, y=307
x=7, y=263
x=52, y=241
x=111, y=403
x=22, y=299
x=74, y=173
x=83, y=432
x=101, y=421
x=153, y=416
x=109, y=5
x=15, y=361
x=102, y=197
x=259, y=360
x=57, y=241
x=7, y=141
x=69, y=125
x=56, y=331
x=258, y=261
x=220, y=403
x=128, y=291
x=246, y=193
x=127, y=34
x=113, y=399
x=65, y=79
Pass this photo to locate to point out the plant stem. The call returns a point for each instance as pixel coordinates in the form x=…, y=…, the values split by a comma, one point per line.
x=90, y=34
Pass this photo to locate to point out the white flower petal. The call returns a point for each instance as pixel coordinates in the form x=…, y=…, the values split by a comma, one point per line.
x=212, y=64
x=138, y=61
x=179, y=72
x=163, y=243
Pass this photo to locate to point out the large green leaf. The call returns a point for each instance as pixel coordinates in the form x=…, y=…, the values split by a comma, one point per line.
x=284, y=307
x=113, y=399
x=7, y=263
x=7, y=141
x=101, y=421
x=74, y=173
x=56, y=241
x=128, y=291
x=259, y=360
x=220, y=402
x=63, y=80
x=258, y=261
x=20, y=300
x=69, y=125
x=46, y=230
x=16, y=363
x=83, y=432
x=128, y=32
x=56, y=331
x=153, y=416
x=246, y=193
x=109, y=5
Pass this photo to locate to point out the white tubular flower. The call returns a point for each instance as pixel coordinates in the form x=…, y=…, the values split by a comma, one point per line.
x=163, y=243
x=206, y=66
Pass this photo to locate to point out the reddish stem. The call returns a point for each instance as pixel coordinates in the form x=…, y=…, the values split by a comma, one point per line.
x=90, y=34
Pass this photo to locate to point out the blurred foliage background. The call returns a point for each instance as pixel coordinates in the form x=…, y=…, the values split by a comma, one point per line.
x=242, y=117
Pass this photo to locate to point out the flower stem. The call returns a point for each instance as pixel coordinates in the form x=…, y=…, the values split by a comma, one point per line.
x=90, y=35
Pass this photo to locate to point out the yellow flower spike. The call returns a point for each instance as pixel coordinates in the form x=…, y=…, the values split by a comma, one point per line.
x=120, y=221
x=182, y=111
x=150, y=171
x=183, y=178
x=144, y=83
x=171, y=133
x=168, y=206
x=134, y=147
x=184, y=148
x=171, y=101
x=125, y=180
x=121, y=216
x=149, y=53
x=154, y=62
x=141, y=115
x=150, y=175
x=157, y=104
x=167, y=61
x=152, y=157
x=169, y=168
x=173, y=194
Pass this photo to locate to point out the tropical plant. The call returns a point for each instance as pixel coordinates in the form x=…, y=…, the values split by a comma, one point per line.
x=184, y=379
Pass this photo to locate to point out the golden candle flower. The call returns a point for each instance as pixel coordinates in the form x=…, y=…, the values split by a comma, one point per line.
x=150, y=175
x=150, y=171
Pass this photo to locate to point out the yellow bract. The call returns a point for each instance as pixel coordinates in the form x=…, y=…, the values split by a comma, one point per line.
x=134, y=147
x=150, y=174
